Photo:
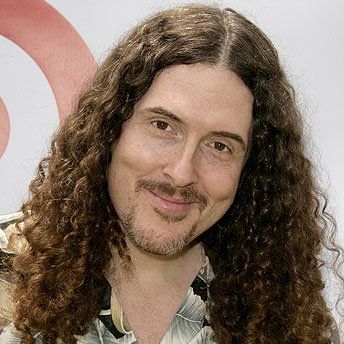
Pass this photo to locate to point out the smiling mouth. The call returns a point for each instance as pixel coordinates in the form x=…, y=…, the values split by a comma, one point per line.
x=167, y=197
x=177, y=206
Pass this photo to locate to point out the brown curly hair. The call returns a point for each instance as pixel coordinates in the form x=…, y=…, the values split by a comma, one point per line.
x=264, y=251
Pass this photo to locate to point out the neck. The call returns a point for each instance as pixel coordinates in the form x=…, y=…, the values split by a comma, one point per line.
x=151, y=268
x=145, y=261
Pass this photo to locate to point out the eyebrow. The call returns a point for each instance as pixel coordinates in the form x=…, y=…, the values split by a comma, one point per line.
x=161, y=111
x=225, y=134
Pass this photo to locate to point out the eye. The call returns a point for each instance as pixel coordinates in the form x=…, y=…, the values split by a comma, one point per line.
x=219, y=146
x=162, y=125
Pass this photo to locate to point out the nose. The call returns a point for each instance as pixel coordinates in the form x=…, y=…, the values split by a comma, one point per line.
x=180, y=168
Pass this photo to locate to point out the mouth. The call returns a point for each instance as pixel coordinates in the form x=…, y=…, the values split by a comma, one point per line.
x=174, y=205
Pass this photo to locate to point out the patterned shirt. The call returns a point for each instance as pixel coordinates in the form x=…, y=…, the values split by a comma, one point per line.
x=189, y=325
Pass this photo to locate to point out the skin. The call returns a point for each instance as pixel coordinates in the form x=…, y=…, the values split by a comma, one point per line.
x=171, y=177
x=173, y=174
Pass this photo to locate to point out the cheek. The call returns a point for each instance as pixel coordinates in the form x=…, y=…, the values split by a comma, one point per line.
x=221, y=198
x=221, y=189
x=222, y=183
x=131, y=159
x=126, y=160
x=136, y=154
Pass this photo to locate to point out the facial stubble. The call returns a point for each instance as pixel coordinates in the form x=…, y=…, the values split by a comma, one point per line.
x=147, y=240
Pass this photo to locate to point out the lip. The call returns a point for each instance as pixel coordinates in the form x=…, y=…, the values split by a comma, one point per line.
x=170, y=204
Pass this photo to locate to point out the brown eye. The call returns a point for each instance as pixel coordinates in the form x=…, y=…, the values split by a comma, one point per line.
x=161, y=125
x=220, y=146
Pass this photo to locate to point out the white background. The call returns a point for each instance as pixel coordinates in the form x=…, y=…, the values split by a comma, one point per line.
x=309, y=36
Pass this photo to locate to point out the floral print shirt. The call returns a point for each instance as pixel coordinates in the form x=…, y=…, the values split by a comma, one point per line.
x=189, y=325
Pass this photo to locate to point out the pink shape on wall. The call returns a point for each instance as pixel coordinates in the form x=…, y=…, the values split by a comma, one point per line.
x=4, y=127
x=52, y=42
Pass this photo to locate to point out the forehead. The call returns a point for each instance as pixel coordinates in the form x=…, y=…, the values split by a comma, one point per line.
x=204, y=97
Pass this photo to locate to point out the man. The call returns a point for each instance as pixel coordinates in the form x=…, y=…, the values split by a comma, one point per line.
x=177, y=205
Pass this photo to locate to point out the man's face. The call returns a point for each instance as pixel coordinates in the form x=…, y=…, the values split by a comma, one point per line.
x=176, y=166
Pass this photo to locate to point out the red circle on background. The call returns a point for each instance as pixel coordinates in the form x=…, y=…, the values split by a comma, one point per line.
x=4, y=127
x=53, y=43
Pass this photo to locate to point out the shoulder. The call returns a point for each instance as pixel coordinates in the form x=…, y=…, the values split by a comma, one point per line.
x=8, y=219
x=334, y=333
x=97, y=334
x=11, y=243
x=10, y=335
x=11, y=238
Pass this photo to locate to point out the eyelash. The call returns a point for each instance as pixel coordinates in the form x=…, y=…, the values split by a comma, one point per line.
x=212, y=144
x=156, y=123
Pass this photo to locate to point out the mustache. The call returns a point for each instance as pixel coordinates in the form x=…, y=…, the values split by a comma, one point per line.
x=189, y=194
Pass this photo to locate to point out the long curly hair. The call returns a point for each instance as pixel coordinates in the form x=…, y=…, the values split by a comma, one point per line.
x=265, y=251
